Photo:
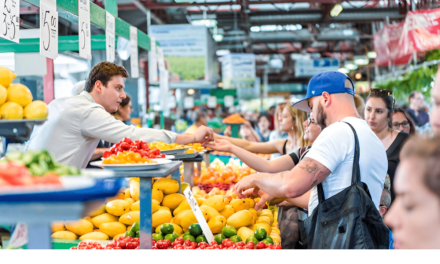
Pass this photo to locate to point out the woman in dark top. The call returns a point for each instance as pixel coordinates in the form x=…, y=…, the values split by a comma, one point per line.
x=378, y=111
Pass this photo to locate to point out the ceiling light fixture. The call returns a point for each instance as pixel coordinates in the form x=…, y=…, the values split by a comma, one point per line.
x=191, y=91
x=217, y=37
x=343, y=70
x=361, y=60
x=349, y=65
x=371, y=54
x=358, y=76
x=336, y=10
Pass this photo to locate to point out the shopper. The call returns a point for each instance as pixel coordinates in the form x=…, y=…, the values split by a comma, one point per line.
x=435, y=113
x=291, y=123
x=360, y=105
x=277, y=133
x=414, y=216
x=330, y=161
x=385, y=203
x=76, y=124
x=378, y=114
x=263, y=127
x=125, y=109
x=199, y=119
x=416, y=109
x=402, y=121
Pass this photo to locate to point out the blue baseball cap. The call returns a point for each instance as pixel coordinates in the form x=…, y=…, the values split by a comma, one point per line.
x=332, y=82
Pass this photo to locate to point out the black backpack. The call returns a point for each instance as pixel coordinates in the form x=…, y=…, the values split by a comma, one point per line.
x=347, y=220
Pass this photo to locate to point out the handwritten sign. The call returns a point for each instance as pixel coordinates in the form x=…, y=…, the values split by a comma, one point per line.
x=85, y=37
x=109, y=37
x=198, y=214
x=134, y=60
x=10, y=19
x=48, y=30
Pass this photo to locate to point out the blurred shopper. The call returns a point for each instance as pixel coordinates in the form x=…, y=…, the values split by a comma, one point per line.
x=435, y=113
x=271, y=112
x=263, y=127
x=378, y=112
x=199, y=119
x=360, y=105
x=76, y=124
x=414, y=216
x=277, y=133
x=416, y=109
x=385, y=203
x=401, y=121
x=291, y=123
x=330, y=162
x=125, y=109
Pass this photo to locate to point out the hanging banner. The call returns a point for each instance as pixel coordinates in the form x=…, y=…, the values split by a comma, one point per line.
x=229, y=101
x=160, y=59
x=152, y=61
x=134, y=61
x=109, y=37
x=212, y=102
x=418, y=33
x=238, y=70
x=309, y=68
x=164, y=92
x=10, y=19
x=188, y=102
x=84, y=34
x=48, y=29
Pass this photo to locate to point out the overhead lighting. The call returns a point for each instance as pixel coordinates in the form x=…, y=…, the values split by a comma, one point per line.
x=350, y=66
x=191, y=91
x=336, y=10
x=217, y=37
x=209, y=23
x=255, y=29
x=222, y=52
x=361, y=60
x=358, y=76
x=343, y=70
x=371, y=54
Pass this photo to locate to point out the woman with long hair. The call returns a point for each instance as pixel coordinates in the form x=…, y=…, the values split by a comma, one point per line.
x=402, y=121
x=291, y=123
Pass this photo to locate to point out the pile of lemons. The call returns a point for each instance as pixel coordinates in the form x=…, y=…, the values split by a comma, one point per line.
x=16, y=99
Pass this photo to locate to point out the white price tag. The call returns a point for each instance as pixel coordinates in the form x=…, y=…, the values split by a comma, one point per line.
x=48, y=30
x=109, y=37
x=229, y=101
x=160, y=59
x=152, y=61
x=10, y=19
x=134, y=61
x=19, y=237
x=85, y=37
x=188, y=102
x=198, y=214
x=212, y=102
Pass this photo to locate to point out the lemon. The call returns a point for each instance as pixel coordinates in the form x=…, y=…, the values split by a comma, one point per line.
x=6, y=76
x=19, y=94
x=36, y=110
x=11, y=110
x=3, y=94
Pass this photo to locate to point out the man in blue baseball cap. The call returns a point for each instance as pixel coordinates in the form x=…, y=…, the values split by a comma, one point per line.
x=330, y=98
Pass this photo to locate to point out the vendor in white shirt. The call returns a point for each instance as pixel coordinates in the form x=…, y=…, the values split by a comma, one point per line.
x=76, y=124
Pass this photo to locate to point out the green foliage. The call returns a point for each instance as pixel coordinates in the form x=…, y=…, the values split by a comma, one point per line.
x=187, y=68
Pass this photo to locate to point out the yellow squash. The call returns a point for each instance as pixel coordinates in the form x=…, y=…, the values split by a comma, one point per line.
x=244, y=233
x=155, y=205
x=157, y=195
x=103, y=218
x=240, y=219
x=164, y=208
x=215, y=202
x=136, y=206
x=167, y=186
x=99, y=211
x=130, y=218
x=239, y=205
x=182, y=207
x=228, y=211
x=64, y=235
x=130, y=202
x=79, y=227
x=58, y=226
x=217, y=223
x=134, y=190
x=161, y=217
x=112, y=229
x=94, y=236
x=178, y=218
x=117, y=207
x=173, y=200
x=210, y=211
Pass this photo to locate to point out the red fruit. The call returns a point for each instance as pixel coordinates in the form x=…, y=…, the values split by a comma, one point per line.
x=277, y=247
x=250, y=245
x=127, y=140
x=225, y=241
x=74, y=248
x=204, y=244
x=132, y=245
x=154, y=247
x=144, y=146
x=106, y=154
x=116, y=248
x=194, y=245
x=179, y=240
x=240, y=244
x=135, y=239
x=187, y=242
x=121, y=244
x=261, y=245
x=265, y=206
x=90, y=247
x=221, y=247
x=240, y=247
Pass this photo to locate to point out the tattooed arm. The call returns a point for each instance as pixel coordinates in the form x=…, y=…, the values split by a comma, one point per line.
x=306, y=175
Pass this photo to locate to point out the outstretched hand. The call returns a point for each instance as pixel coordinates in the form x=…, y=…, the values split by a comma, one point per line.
x=220, y=145
x=203, y=134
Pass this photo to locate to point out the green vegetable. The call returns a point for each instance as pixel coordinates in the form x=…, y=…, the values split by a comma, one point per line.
x=37, y=170
x=28, y=158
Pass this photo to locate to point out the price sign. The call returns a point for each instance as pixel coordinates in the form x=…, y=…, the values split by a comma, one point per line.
x=109, y=37
x=188, y=102
x=164, y=89
x=229, y=101
x=198, y=214
x=10, y=19
x=48, y=30
x=212, y=102
x=160, y=59
x=85, y=38
x=134, y=61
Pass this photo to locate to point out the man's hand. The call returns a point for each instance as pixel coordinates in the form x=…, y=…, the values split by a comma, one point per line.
x=203, y=134
x=220, y=145
x=245, y=184
x=264, y=197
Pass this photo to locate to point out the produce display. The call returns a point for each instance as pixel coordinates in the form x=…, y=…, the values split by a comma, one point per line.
x=119, y=243
x=234, y=119
x=172, y=146
x=127, y=145
x=32, y=168
x=16, y=99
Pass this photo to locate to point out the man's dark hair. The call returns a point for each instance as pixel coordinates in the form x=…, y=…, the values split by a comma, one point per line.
x=103, y=72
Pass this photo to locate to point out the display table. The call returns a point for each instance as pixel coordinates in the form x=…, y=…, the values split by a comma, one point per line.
x=188, y=168
x=38, y=210
x=145, y=185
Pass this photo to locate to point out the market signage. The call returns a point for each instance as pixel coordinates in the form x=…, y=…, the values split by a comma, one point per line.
x=198, y=214
x=152, y=62
x=164, y=92
x=48, y=29
x=238, y=70
x=134, y=61
x=10, y=19
x=419, y=32
x=84, y=32
x=308, y=68
x=109, y=37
